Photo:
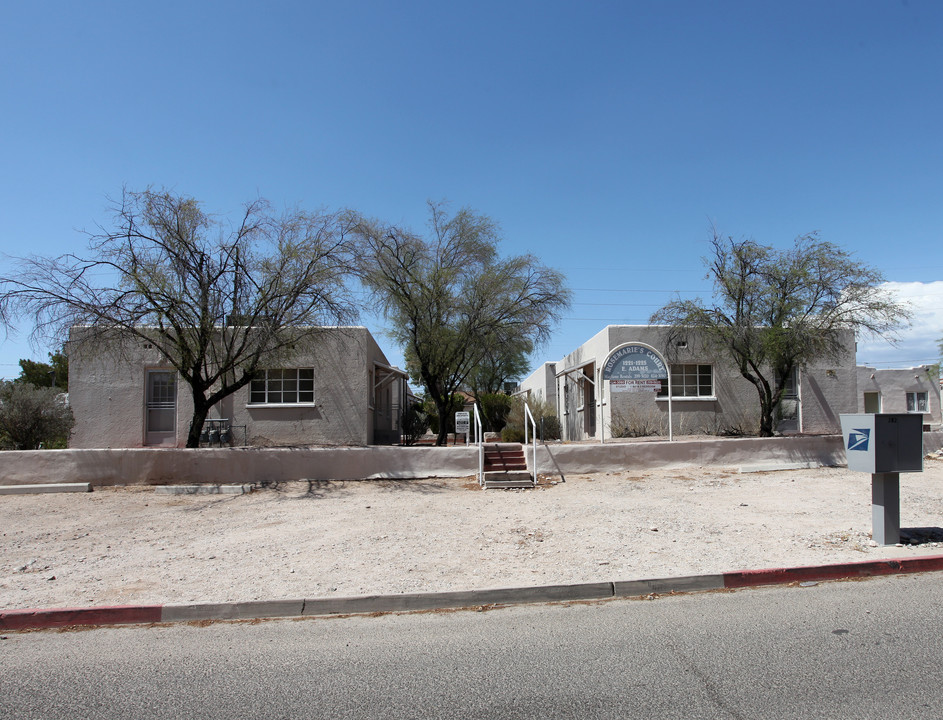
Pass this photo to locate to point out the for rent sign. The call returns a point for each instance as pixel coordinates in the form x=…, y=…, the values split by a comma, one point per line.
x=635, y=385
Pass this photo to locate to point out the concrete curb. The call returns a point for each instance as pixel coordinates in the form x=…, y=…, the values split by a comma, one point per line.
x=414, y=602
x=83, y=487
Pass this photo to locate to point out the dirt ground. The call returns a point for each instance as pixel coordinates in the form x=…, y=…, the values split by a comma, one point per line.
x=129, y=545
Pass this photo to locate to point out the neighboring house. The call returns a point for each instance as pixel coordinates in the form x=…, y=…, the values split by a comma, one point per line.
x=907, y=390
x=343, y=392
x=709, y=396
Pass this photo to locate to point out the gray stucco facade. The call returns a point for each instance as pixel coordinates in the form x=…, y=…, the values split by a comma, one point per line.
x=714, y=397
x=344, y=393
x=902, y=390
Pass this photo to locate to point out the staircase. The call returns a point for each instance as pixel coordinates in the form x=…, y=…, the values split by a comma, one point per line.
x=506, y=466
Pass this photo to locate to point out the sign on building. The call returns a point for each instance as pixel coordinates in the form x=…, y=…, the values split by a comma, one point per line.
x=635, y=368
x=635, y=385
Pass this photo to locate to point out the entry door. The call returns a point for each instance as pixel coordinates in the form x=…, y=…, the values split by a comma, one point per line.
x=160, y=415
x=872, y=402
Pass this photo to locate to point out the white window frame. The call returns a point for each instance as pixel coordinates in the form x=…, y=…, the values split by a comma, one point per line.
x=914, y=402
x=679, y=373
x=271, y=384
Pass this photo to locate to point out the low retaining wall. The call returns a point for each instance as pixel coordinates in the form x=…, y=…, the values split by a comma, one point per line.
x=145, y=466
x=622, y=456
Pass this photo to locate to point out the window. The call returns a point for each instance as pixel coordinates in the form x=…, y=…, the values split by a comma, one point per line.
x=690, y=381
x=278, y=387
x=917, y=402
x=791, y=386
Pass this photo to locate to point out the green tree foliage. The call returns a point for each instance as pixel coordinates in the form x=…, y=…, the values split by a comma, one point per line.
x=450, y=296
x=30, y=416
x=219, y=301
x=775, y=310
x=494, y=409
x=54, y=373
x=498, y=365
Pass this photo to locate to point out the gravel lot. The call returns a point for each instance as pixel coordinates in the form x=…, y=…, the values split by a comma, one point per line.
x=128, y=545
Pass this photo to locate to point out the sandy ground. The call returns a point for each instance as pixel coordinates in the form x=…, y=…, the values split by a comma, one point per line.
x=128, y=545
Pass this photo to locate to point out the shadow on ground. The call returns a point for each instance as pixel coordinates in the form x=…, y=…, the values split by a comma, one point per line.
x=921, y=535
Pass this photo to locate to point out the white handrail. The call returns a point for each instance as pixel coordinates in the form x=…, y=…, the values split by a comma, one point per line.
x=479, y=440
x=528, y=415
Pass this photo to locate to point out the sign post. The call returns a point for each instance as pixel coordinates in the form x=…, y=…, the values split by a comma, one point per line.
x=462, y=422
x=636, y=367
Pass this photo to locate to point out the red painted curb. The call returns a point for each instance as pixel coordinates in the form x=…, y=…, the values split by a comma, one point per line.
x=748, y=578
x=63, y=617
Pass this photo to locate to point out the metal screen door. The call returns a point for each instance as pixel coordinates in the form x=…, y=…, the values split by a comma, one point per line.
x=161, y=409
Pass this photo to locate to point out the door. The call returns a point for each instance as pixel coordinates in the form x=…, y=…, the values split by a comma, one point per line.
x=872, y=402
x=160, y=413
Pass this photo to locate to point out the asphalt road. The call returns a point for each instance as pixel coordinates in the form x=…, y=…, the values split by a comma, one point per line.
x=864, y=649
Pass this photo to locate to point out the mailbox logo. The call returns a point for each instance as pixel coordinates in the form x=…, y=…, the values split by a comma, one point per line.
x=858, y=439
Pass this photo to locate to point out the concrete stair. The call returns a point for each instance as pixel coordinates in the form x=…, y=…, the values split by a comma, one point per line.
x=506, y=466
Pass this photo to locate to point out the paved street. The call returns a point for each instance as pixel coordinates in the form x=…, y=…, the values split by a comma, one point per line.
x=866, y=649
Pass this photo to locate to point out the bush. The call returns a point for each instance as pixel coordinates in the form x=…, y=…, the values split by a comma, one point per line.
x=630, y=424
x=415, y=423
x=512, y=434
x=30, y=416
x=542, y=411
x=494, y=410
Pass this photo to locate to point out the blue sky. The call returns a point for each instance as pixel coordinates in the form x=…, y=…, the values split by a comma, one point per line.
x=605, y=137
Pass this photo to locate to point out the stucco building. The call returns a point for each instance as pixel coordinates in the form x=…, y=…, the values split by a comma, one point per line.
x=903, y=390
x=709, y=396
x=342, y=391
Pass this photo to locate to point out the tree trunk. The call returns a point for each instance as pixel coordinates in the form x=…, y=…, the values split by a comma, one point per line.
x=443, y=406
x=200, y=410
x=767, y=413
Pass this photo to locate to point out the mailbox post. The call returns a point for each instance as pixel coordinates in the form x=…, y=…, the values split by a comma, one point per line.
x=885, y=445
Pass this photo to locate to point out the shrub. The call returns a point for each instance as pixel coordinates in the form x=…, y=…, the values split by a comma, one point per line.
x=544, y=414
x=510, y=433
x=415, y=423
x=628, y=423
x=30, y=416
x=494, y=410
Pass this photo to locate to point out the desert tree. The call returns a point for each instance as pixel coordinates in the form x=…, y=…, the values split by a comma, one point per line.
x=775, y=310
x=219, y=300
x=32, y=417
x=54, y=373
x=452, y=300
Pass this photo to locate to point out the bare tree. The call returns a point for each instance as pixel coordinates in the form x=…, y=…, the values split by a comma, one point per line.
x=776, y=310
x=452, y=299
x=220, y=303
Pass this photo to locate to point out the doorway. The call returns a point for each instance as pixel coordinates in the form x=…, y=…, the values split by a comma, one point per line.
x=160, y=412
x=872, y=402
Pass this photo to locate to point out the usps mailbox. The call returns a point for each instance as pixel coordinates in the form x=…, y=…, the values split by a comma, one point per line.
x=885, y=445
x=883, y=442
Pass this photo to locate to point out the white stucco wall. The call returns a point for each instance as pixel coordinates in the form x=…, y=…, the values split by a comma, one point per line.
x=148, y=466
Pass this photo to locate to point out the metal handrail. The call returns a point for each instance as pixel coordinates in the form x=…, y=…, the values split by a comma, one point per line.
x=479, y=440
x=528, y=415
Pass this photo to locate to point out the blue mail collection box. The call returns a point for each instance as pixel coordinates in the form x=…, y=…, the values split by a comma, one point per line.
x=883, y=442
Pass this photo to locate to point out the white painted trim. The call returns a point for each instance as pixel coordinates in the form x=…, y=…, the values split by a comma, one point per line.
x=250, y=406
